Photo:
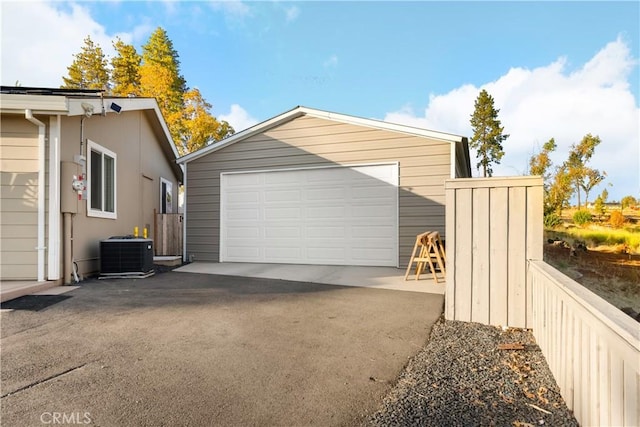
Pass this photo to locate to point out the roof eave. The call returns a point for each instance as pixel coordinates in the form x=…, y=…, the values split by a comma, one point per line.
x=301, y=111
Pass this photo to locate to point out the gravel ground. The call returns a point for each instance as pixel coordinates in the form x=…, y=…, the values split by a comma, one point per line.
x=463, y=378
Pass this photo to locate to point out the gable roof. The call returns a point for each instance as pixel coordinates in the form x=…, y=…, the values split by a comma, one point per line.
x=342, y=118
x=74, y=102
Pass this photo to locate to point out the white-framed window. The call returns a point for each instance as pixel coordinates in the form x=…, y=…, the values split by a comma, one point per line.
x=101, y=181
x=166, y=196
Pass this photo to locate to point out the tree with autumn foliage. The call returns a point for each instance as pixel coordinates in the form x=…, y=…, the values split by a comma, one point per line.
x=125, y=70
x=583, y=177
x=200, y=128
x=156, y=74
x=89, y=69
x=487, y=133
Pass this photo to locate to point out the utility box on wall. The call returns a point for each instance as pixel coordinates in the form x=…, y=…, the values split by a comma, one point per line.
x=126, y=258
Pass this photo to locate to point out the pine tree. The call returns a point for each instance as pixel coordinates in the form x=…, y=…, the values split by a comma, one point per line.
x=88, y=69
x=125, y=74
x=487, y=133
x=160, y=79
x=160, y=72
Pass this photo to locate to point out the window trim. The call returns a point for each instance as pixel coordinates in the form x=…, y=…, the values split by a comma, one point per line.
x=94, y=146
x=163, y=195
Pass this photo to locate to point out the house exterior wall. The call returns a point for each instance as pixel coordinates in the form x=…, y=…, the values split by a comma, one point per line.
x=19, y=199
x=308, y=141
x=139, y=166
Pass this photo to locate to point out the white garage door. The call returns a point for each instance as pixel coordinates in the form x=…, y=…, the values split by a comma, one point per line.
x=330, y=216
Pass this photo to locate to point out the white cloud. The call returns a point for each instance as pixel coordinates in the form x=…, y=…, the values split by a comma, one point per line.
x=239, y=118
x=40, y=39
x=549, y=102
x=292, y=13
x=231, y=8
x=332, y=62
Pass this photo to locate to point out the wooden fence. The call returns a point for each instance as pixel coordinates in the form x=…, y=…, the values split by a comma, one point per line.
x=592, y=348
x=496, y=276
x=168, y=234
x=494, y=225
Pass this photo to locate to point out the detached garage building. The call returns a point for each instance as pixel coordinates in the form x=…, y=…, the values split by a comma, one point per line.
x=314, y=187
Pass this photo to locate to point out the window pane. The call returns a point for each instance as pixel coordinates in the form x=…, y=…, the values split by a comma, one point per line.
x=96, y=180
x=109, y=183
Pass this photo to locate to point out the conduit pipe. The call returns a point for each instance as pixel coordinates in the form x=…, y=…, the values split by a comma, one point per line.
x=28, y=114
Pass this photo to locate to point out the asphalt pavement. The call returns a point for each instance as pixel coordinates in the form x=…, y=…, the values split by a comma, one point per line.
x=181, y=349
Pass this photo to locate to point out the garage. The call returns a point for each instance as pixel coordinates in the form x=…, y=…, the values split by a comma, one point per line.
x=335, y=215
x=317, y=187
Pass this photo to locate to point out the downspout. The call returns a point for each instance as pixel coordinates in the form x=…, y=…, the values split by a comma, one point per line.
x=41, y=189
x=184, y=216
x=53, y=270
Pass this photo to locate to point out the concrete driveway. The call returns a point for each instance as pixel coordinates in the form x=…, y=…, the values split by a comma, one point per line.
x=202, y=350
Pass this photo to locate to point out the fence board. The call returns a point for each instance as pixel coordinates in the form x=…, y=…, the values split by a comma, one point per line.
x=463, y=291
x=450, y=290
x=600, y=379
x=516, y=310
x=498, y=255
x=168, y=235
x=488, y=280
x=480, y=284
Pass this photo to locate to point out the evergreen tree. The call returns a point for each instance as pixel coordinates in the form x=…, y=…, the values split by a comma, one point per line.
x=160, y=72
x=88, y=69
x=125, y=74
x=487, y=133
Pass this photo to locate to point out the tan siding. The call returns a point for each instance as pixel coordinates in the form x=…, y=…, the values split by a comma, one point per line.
x=140, y=164
x=306, y=141
x=19, y=195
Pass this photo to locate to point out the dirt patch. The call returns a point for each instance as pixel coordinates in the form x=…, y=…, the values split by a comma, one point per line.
x=613, y=276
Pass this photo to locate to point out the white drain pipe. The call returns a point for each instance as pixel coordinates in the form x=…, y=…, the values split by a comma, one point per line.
x=41, y=189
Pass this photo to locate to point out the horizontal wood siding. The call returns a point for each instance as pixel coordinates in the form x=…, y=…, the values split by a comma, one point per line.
x=494, y=226
x=591, y=347
x=307, y=141
x=19, y=200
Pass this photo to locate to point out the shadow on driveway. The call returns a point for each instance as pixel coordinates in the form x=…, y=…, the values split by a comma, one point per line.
x=193, y=349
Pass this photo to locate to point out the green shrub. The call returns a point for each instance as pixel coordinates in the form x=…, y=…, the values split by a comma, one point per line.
x=552, y=220
x=616, y=219
x=582, y=217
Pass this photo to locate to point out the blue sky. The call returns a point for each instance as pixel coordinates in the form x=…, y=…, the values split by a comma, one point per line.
x=555, y=69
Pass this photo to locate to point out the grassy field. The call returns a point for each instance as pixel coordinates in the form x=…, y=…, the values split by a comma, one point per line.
x=611, y=265
x=600, y=235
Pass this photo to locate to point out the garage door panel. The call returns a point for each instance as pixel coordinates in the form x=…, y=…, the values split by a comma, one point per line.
x=243, y=232
x=367, y=254
x=282, y=196
x=289, y=254
x=325, y=212
x=383, y=230
x=243, y=180
x=236, y=214
x=271, y=232
x=241, y=197
x=373, y=211
x=323, y=194
x=320, y=231
x=326, y=254
x=240, y=252
x=337, y=215
x=282, y=213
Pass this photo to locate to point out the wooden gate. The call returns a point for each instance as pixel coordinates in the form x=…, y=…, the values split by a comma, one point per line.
x=168, y=234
